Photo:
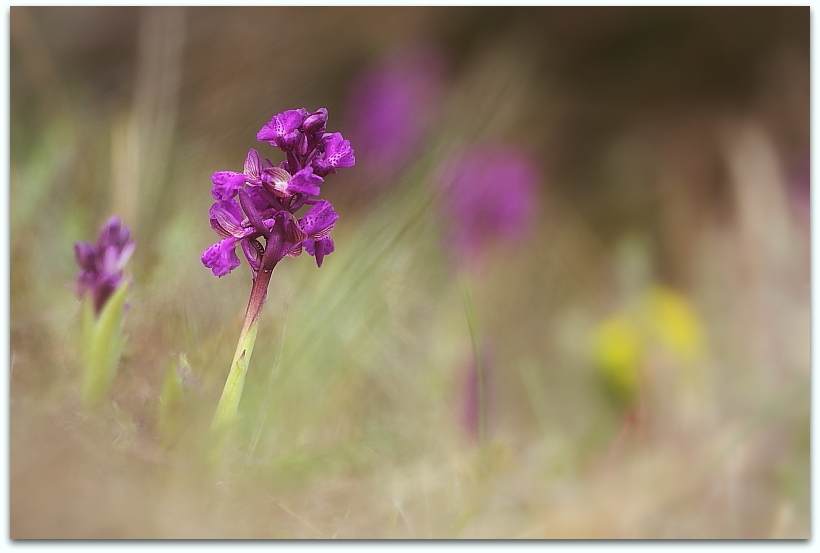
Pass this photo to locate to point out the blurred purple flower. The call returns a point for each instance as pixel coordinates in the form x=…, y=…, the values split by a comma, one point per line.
x=490, y=195
x=393, y=104
x=261, y=202
x=101, y=265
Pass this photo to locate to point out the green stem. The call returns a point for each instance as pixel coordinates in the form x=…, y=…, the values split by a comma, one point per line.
x=232, y=392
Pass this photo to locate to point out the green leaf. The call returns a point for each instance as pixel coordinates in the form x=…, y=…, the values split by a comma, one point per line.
x=102, y=342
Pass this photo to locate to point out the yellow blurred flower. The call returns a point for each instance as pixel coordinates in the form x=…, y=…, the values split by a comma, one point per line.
x=674, y=323
x=618, y=354
x=661, y=320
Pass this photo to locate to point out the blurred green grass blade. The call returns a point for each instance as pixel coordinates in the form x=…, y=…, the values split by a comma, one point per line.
x=478, y=355
x=170, y=399
x=32, y=183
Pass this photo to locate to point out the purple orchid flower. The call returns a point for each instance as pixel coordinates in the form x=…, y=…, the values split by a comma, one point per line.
x=101, y=265
x=260, y=203
x=257, y=210
x=490, y=195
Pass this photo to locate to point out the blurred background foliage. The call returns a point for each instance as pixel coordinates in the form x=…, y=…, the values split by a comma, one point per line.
x=645, y=347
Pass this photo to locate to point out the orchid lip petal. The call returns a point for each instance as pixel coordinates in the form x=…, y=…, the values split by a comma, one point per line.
x=221, y=257
x=319, y=249
x=226, y=184
x=305, y=182
x=319, y=220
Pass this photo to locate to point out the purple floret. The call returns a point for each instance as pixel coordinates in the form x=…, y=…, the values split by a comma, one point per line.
x=221, y=258
x=304, y=182
x=226, y=184
x=336, y=153
x=283, y=130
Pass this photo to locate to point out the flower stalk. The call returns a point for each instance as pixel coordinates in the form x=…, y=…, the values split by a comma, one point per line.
x=234, y=385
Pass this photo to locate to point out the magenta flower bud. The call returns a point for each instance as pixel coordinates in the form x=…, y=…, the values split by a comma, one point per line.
x=315, y=122
x=85, y=254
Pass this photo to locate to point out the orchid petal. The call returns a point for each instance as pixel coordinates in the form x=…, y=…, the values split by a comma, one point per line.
x=221, y=257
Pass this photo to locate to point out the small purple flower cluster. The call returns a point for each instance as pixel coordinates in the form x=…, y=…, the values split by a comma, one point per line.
x=262, y=201
x=101, y=265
